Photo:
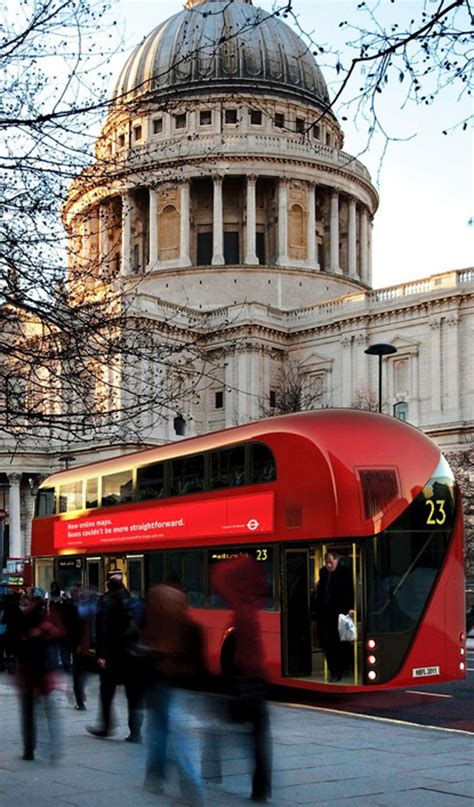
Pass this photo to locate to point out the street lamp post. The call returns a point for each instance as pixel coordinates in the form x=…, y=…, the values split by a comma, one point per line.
x=380, y=349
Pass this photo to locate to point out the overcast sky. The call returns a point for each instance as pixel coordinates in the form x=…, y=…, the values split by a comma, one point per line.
x=425, y=183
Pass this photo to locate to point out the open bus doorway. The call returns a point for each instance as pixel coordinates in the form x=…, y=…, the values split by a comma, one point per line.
x=304, y=643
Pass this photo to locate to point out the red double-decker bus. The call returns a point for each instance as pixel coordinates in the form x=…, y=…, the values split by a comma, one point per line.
x=285, y=490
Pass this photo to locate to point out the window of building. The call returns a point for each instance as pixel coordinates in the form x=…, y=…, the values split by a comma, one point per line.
x=187, y=475
x=70, y=497
x=231, y=248
x=219, y=399
x=151, y=481
x=279, y=120
x=255, y=117
x=180, y=121
x=45, y=502
x=227, y=468
x=260, y=248
x=179, y=425
x=121, y=141
x=230, y=116
x=262, y=464
x=400, y=410
x=205, y=117
x=92, y=492
x=328, y=138
x=117, y=488
x=136, y=258
x=137, y=132
x=157, y=126
x=300, y=125
x=204, y=249
x=317, y=131
x=273, y=398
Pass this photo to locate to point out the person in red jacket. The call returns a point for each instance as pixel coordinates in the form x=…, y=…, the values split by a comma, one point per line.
x=241, y=582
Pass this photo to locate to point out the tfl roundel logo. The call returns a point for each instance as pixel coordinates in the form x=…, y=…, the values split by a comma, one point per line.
x=253, y=524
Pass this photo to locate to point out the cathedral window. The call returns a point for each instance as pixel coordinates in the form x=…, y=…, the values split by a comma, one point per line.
x=205, y=117
x=231, y=248
x=279, y=120
x=157, y=126
x=137, y=132
x=317, y=131
x=230, y=116
x=328, y=138
x=300, y=125
x=180, y=121
x=400, y=410
x=219, y=400
x=272, y=398
x=121, y=140
x=204, y=249
x=255, y=117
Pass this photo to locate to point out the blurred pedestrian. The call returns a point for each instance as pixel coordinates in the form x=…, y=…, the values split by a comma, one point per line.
x=241, y=582
x=75, y=616
x=175, y=646
x=55, y=603
x=334, y=595
x=34, y=645
x=118, y=625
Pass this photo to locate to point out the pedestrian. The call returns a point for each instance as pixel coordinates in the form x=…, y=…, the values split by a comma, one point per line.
x=36, y=636
x=55, y=613
x=242, y=584
x=118, y=626
x=334, y=595
x=75, y=616
x=174, y=643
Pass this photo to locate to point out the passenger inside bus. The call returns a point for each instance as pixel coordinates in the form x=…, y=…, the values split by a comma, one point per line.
x=333, y=595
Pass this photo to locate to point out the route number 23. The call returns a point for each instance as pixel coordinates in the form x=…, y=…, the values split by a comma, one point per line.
x=436, y=512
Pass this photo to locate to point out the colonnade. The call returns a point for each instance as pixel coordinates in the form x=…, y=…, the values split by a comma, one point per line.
x=358, y=229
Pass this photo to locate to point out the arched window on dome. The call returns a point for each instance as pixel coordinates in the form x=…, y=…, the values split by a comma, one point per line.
x=168, y=233
x=297, y=233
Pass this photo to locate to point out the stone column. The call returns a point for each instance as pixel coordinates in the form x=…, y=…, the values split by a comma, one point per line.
x=334, y=234
x=364, y=246
x=103, y=239
x=435, y=366
x=452, y=365
x=311, y=228
x=251, y=251
x=369, y=252
x=352, y=239
x=282, y=259
x=185, y=223
x=153, y=227
x=14, y=516
x=127, y=219
x=218, y=224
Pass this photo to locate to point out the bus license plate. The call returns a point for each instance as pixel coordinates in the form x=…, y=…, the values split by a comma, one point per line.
x=422, y=672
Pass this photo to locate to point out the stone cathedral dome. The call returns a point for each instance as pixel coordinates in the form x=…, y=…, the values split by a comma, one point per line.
x=220, y=46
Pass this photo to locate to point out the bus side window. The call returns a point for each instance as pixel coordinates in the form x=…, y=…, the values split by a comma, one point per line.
x=187, y=475
x=45, y=502
x=70, y=497
x=92, y=492
x=117, y=488
x=151, y=481
x=262, y=464
x=227, y=468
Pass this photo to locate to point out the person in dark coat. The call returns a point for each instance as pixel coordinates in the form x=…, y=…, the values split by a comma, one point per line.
x=241, y=582
x=34, y=647
x=334, y=595
x=118, y=626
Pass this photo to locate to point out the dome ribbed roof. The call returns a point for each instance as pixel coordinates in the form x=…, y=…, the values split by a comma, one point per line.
x=216, y=46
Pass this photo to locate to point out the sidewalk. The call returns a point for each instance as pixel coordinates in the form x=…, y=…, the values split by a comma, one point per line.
x=319, y=758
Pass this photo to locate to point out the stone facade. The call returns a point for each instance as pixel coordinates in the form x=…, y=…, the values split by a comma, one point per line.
x=234, y=214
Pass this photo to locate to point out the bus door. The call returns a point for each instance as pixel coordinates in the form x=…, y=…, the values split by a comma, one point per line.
x=350, y=557
x=296, y=636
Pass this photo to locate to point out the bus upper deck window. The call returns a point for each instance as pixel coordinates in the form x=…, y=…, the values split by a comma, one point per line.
x=228, y=468
x=92, y=492
x=262, y=464
x=117, y=488
x=70, y=497
x=45, y=502
x=151, y=481
x=187, y=475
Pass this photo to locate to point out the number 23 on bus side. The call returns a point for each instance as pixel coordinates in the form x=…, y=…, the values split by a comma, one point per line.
x=436, y=515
